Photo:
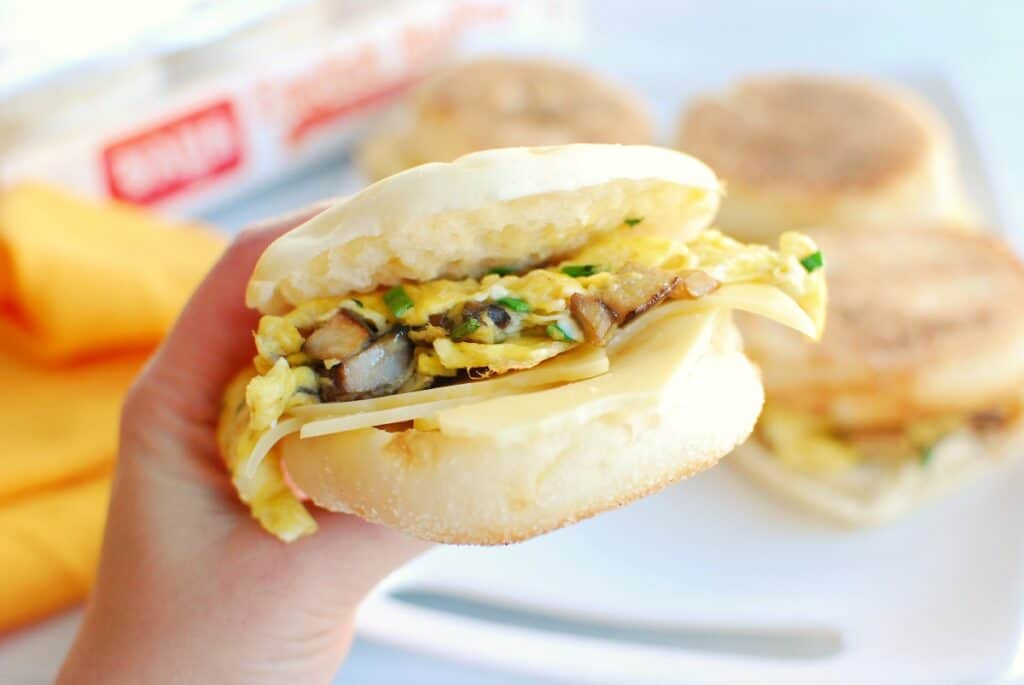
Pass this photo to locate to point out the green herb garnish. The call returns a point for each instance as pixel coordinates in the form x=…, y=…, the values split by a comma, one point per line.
x=578, y=270
x=556, y=332
x=632, y=220
x=359, y=303
x=813, y=261
x=398, y=301
x=514, y=303
x=926, y=455
x=465, y=329
x=502, y=270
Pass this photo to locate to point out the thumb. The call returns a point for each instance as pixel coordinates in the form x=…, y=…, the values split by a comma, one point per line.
x=212, y=339
x=361, y=553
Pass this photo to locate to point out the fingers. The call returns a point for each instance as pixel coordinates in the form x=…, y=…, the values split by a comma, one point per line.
x=360, y=552
x=212, y=339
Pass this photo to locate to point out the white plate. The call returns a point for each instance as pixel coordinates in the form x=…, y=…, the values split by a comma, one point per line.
x=935, y=596
x=714, y=581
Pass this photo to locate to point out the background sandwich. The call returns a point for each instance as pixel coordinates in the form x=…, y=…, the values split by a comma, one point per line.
x=482, y=351
x=800, y=151
x=916, y=385
x=504, y=102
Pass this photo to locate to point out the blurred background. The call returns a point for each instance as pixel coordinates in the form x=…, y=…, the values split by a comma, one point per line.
x=224, y=113
x=75, y=87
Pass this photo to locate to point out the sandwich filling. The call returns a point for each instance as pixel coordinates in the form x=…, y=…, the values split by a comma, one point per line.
x=811, y=444
x=395, y=357
x=414, y=336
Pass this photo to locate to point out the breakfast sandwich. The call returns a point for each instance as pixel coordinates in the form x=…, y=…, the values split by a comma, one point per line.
x=504, y=102
x=800, y=151
x=485, y=350
x=916, y=386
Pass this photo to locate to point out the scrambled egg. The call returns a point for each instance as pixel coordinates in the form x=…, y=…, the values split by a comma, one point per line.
x=726, y=260
x=809, y=443
x=804, y=442
x=269, y=498
x=281, y=388
x=547, y=291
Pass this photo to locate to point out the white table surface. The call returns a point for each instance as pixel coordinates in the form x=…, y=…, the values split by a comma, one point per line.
x=671, y=48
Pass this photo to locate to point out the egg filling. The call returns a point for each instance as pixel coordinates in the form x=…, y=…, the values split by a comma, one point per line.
x=810, y=444
x=416, y=335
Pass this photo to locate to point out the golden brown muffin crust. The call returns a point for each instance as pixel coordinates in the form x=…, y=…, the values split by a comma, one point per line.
x=807, y=133
x=899, y=299
x=504, y=103
x=903, y=306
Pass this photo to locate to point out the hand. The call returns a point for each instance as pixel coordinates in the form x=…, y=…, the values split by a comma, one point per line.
x=190, y=589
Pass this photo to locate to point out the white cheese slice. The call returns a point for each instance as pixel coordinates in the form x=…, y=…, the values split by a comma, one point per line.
x=336, y=417
x=340, y=424
x=640, y=370
x=582, y=362
x=758, y=298
x=266, y=443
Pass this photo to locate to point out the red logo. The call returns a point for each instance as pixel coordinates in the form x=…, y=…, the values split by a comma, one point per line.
x=175, y=155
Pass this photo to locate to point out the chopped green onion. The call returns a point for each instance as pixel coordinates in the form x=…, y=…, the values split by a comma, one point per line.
x=465, y=329
x=515, y=304
x=359, y=303
x=556, y=332
x=398, y=301
x=578, y=270
x=502, y=270
x=632, y=220
x=813, y=261
x=926, y=455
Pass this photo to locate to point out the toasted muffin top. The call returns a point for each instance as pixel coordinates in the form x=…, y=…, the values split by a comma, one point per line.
x=810, y=133
x=919, y=322
x=514, y=102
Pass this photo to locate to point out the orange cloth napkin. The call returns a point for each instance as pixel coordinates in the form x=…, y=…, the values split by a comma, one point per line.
x=86, y=291
x=49, y=545
x=79, y=279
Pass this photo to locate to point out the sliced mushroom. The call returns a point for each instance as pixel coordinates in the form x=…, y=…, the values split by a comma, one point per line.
x=593, y=316
x=499, y=316
x=425, y=335
x=694, y=285
x=380, y=369
x=484, y=323
x=637, y=289
x=440, y=321
x=339, y=338
x=992, y=420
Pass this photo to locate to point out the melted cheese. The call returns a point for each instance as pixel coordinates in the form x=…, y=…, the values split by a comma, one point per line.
x=266, y=442
x=765, y=300
x=338, y=417
x=341, y=424
x=639, y=373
